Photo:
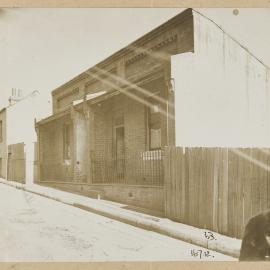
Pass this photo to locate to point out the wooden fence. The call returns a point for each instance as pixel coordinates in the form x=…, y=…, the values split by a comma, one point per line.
x=16, y=163
x=216, y=188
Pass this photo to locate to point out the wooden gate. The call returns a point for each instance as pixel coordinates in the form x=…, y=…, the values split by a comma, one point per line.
x=16, y=163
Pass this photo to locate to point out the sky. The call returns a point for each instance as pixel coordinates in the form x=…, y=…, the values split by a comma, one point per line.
x=40, y=49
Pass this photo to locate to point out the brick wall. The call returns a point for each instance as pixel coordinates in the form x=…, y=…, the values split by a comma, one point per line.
x=133, y=113
x=147, y=197
x=133, y=119
x=53, y=166
x=175, y=38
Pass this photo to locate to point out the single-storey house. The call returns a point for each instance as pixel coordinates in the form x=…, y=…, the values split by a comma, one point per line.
x=185, y=83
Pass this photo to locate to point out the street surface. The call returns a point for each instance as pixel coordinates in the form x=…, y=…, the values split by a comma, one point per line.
x=34, y=228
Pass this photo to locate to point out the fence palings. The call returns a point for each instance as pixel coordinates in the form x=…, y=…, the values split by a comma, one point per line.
x=216, y=188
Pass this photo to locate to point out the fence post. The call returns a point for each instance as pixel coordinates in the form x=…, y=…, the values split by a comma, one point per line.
x=165, y=177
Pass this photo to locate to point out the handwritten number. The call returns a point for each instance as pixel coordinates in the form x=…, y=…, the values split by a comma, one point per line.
x=209, y=236
x=200, y=253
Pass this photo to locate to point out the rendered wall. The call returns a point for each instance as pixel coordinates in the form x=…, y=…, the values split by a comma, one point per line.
x=221, y=92
x=21, y=127
x=3, y=146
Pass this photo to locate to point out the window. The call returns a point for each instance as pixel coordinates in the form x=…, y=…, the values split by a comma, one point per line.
x=1, y=131
x=154, y=125
x=67, y=141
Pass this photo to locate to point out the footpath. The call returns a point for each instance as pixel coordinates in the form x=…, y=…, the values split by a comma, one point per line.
x=201, y=237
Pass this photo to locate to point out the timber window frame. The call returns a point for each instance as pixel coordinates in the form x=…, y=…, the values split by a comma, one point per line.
x=154, y=122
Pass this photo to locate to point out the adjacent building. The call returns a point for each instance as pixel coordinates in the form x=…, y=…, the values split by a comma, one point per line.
x=3, y=144
x=221, y=92
x=18, y=137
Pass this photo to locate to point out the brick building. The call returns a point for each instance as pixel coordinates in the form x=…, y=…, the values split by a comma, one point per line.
x=186, y=83
x=109, y=123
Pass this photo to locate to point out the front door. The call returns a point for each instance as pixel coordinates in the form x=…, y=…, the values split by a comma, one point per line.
x=120, y=151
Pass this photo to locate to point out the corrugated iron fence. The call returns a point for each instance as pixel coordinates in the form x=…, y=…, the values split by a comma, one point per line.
x=216, y=188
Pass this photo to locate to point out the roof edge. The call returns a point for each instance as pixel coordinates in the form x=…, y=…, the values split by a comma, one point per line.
x=179, y=18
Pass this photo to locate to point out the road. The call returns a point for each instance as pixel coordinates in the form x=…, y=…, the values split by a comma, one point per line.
x=34, y=228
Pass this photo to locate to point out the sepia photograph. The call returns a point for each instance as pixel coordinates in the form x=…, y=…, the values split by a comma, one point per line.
x=134, y=134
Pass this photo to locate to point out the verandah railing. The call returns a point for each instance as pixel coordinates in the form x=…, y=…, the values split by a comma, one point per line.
x=136, y=168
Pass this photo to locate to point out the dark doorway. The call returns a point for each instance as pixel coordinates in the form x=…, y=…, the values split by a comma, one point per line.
x=119, y=151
